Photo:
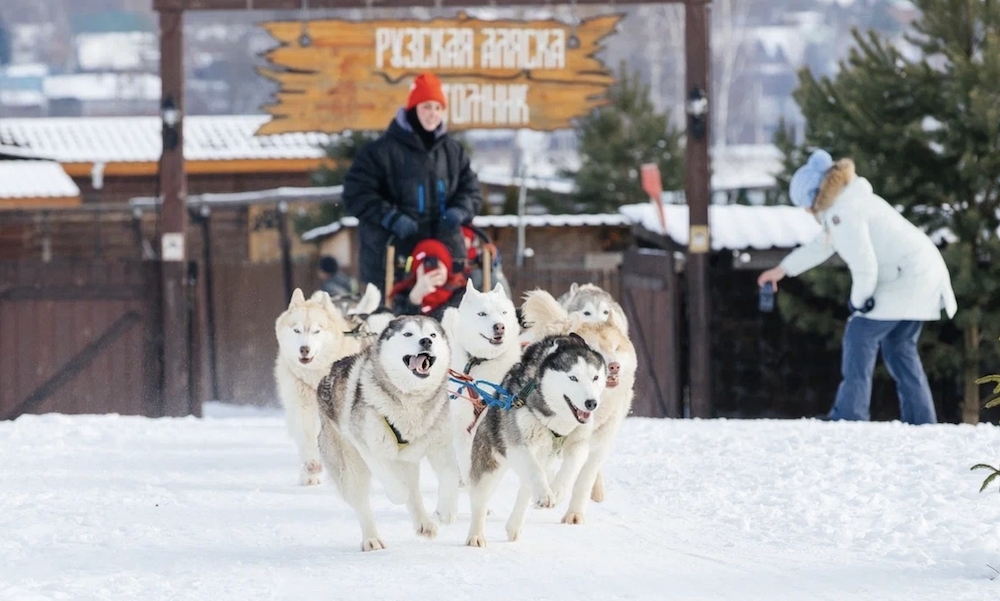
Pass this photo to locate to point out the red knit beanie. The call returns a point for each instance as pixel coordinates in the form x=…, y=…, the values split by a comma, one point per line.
x=425, y=87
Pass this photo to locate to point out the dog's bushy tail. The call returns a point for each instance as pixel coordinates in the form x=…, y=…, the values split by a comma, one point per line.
x=543, y=313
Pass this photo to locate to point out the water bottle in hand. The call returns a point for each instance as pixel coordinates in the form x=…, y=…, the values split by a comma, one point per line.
x=766, y=301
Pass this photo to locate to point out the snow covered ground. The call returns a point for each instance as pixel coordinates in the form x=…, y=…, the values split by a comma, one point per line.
x=108, y=507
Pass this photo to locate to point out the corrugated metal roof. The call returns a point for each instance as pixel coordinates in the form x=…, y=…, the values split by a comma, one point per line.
x=733, y=227
x=35, y=179
x=138, y=139
x=604, y=219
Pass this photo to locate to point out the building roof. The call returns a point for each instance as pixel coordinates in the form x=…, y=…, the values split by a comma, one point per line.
x=733, y=227
x=484, y=221
x=35, y=179
x=138, y=139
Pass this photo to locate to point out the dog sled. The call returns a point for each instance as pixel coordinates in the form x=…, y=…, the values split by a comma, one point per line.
x=396, y=265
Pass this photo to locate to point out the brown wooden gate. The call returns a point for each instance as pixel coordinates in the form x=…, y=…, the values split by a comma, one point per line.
x=79, y=336
x=651, y=299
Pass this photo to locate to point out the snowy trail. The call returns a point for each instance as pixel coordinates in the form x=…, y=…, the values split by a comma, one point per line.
x=108, y=507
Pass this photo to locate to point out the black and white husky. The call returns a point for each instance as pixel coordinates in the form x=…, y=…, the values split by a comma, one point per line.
x=383, y=410
x=558, y=383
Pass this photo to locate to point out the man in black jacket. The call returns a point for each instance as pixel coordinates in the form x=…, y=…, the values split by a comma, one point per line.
x=413, y=182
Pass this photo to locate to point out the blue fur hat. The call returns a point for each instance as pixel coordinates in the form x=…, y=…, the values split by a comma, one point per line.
x=807, y=179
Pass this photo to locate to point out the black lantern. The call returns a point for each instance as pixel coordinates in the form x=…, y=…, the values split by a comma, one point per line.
x=171, y=116
x=697, y=111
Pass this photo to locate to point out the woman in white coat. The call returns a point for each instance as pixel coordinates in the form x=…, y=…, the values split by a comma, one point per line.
x=899, y=280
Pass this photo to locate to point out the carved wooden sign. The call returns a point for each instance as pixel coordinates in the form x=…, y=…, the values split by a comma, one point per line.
x=353, y=75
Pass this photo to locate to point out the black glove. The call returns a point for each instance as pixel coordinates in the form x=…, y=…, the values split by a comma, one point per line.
x=865, y=308
x=400, y=224
x=453, y=218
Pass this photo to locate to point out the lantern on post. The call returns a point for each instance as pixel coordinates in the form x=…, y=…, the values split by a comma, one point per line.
x=171, y=117
x=697, y=111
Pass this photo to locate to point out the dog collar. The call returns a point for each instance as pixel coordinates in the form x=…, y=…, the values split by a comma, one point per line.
x=400, y=441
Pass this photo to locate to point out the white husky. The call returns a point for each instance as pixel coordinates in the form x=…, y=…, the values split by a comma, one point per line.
x=484, y=346
x=311, y=336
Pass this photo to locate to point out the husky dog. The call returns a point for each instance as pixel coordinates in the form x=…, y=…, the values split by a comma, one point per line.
x=384, y=410
x=483, y=334
x=310, y=338
x=367, y=314
x=559, y=380
x=594, y=303
x=616, y=401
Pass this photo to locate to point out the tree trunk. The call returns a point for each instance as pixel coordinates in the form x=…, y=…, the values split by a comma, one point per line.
x=970, y=398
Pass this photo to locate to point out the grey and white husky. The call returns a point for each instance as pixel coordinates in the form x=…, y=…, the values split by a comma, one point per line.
x=558, y=382
x=594, y=304
x=384, y=410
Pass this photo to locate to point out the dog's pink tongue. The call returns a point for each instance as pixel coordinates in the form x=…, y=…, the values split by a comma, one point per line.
x=416, y=362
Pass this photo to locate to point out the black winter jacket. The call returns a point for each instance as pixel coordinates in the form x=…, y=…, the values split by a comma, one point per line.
x=397, y=171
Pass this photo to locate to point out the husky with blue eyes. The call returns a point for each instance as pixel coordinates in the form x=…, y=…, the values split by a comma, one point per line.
x=383, y=411
x=558, y=385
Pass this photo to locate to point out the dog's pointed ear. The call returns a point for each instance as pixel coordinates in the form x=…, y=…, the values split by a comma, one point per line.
x=297, y=297
x=470, y=287
x=499, y=289
x=321, y=296
x=573, y=288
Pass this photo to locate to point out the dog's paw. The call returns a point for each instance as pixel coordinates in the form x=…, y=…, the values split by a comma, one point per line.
x=513, y=533
x=572, y=517
x=307, y=479
x=597, y=492
x=428, y=529
x=372, y=544
x=313, y=467
x=545, y=500
x=476, y=540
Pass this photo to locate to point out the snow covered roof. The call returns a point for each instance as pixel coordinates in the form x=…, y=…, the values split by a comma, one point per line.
x=35, y=179
x=733, y=227
x=137, y=139
x=595, y=220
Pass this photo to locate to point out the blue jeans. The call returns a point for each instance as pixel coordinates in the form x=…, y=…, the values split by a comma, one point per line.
x=898, y=340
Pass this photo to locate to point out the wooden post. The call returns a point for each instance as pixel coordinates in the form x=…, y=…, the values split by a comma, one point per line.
x=285, y=241
x=698, y=192
x=173, y=240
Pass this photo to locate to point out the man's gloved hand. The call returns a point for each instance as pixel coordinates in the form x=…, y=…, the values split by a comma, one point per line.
x=453, y=218
x=400, y=224
x=865, y=308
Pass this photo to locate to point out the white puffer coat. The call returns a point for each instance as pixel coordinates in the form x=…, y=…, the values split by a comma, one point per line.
x=890, y=259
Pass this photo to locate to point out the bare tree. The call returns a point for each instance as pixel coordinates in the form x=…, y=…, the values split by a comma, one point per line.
x=729, y=57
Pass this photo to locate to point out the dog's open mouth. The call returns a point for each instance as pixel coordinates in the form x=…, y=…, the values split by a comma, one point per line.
x=495, y=341
x=580, y=415
x=305, y=360
x=420, y=364
x=612, y=380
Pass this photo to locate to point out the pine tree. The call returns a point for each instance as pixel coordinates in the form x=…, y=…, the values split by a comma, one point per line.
x=339, y=153
x=924, y=127
x=614, y=142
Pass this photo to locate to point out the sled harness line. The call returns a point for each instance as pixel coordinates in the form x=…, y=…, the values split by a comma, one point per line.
x=400, y=441
x=361, y=330
x=490, y=394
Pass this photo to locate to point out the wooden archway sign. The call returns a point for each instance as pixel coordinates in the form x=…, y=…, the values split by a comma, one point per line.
x=173, y=179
